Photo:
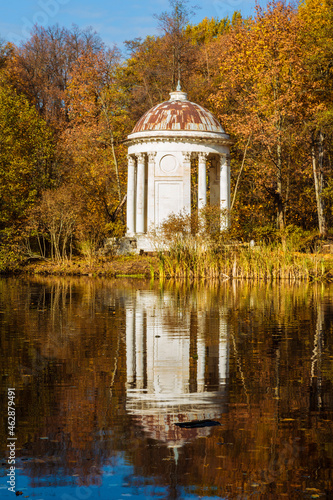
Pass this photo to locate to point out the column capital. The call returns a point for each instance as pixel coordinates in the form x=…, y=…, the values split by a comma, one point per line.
x=225, y=158
x=131, y=160
x=202, y=157
x=151, y=155
x=186, y=155
x=141, y=157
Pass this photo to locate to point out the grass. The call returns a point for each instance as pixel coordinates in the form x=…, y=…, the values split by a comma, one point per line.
x=133, y=266
x=291, y=256
x=190, y=258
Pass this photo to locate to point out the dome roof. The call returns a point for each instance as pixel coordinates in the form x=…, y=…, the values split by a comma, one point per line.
x=178, y=114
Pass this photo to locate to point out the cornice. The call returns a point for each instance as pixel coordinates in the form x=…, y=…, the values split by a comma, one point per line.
x=189, y=138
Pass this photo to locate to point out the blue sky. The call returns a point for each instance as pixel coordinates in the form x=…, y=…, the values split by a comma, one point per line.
x=114, y=20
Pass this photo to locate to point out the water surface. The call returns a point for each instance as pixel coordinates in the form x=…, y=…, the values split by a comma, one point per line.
x=104, y=369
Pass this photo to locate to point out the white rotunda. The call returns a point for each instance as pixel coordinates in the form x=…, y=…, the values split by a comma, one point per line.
x=160, y=149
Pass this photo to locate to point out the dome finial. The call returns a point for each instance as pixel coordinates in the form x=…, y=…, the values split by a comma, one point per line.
x=178, y=94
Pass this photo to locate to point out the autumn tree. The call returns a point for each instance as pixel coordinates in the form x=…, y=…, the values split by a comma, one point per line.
x=260, y=95
x=206, y=37
x=41, y=68
x=93, y=142
x=6, y=51
x=53, y=221
x=26, y=155
x=70, y=78
x=145, y=76
x=203, y=36
x=178, y=50
x=156, y=63
x=316, y=36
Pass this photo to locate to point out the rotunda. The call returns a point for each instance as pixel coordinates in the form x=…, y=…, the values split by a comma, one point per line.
x=160, y=149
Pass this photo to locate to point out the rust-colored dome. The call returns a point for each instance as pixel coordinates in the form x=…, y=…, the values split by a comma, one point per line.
x=178, y=114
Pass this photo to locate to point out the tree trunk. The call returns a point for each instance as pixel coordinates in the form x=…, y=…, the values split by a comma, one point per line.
x=240, y=172
x=280, y=204
x=318, y=176
x=107, y=118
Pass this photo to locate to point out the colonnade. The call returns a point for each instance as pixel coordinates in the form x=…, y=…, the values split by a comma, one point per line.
x=158, y=362
x=141, y=193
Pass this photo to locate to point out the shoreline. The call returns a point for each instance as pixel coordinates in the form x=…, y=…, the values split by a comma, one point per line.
x=140, y=266
x=302, y=267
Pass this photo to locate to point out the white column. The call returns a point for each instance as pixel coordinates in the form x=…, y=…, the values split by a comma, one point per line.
x=225, y=189
x=201, y=351
x=151, y=343
x=140, y=194
x=139, y=347
x=131, y=196
x=202, y=180
x=223, y=348
x=130, y=346
x=151, y=191
x=187, y=181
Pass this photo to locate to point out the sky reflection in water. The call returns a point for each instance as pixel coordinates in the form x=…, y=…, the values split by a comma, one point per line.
x=104, y=369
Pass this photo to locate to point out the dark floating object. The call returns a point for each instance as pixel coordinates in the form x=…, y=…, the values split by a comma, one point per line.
x=197, y=423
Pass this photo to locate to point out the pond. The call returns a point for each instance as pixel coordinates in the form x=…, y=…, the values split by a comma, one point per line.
x=97, y=373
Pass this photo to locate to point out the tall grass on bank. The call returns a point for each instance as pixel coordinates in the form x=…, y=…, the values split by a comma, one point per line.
x=203, y=253
x=189, y=258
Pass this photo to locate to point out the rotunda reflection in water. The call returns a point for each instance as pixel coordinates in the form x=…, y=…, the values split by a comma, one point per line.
x=177, y=366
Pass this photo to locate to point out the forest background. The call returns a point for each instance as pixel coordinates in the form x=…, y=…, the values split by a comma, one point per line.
x=67, y=103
